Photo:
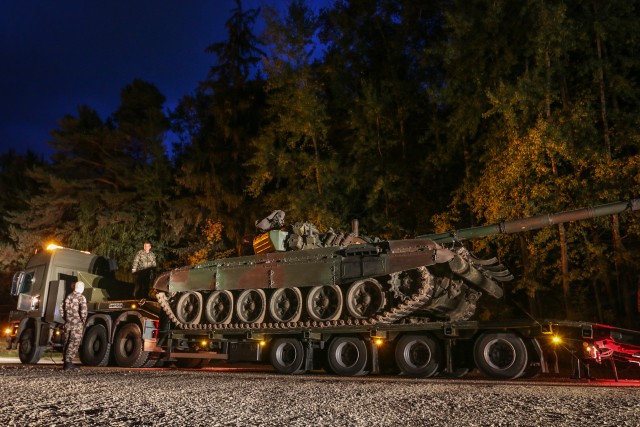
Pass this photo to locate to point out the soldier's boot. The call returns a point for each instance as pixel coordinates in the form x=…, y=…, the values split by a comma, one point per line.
x=69, y=366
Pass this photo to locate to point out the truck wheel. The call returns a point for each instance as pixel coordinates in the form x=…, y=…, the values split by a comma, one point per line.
x=501, y=355
x=287, y=356
x=418, y=355
x=347, y=356
x=95, y=347
x=128, y=347
x=28, y=349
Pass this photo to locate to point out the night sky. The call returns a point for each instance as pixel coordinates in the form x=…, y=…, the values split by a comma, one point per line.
x=58, y=55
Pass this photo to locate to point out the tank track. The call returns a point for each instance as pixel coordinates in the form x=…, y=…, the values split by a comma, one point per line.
x=402, y=310
x=412, y=308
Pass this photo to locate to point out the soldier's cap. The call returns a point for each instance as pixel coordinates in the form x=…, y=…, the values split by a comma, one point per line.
x=79, y=288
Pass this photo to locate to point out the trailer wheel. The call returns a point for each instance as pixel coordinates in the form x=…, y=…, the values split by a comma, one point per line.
x=287, y=356
x=347, y=356
x=534, y=367
x=501, y=355
x=28, y=349
x=95, y=347
x=418, y=355
x=128, y=348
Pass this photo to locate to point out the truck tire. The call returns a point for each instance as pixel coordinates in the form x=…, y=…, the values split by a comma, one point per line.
x=418, y=355
x=95, y=347
x=501, y=355
x=287, y=356
x=347, y=356
x=128, y=348
x=28, y=349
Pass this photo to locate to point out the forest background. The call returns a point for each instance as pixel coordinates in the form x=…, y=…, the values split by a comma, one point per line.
x=413, y=116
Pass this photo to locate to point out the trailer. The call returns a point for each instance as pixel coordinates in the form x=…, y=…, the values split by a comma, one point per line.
x=305, y=300
x=503, y=350
x=135, y=333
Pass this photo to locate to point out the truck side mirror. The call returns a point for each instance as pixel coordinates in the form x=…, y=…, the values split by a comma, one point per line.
x=16, y=284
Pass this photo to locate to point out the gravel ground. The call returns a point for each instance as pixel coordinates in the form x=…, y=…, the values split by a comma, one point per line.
x=44, y=395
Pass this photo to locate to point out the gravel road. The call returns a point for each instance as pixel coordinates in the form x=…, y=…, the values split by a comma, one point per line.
x=44, y=395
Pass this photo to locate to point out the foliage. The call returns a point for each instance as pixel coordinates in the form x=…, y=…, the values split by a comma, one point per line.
x=408, y=115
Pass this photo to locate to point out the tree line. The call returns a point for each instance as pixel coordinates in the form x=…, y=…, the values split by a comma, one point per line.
x=413, y=116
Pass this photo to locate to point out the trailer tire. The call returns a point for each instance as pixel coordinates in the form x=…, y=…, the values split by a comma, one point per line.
x=501, y=355
x=28, y=349
x=347, y=356
x=287, y=356
x=418, y=355
x=128, y=348
x=95, y=348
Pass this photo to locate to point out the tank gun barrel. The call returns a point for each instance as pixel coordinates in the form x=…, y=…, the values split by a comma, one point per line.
x=535, y=222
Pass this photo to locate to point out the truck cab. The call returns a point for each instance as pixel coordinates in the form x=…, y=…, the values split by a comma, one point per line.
x=116, y=320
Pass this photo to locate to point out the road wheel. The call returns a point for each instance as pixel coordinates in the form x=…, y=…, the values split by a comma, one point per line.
x=501, y=355
x=251, y=306
x=28, y=349
x=95, y=347
x=324, y=303
x=128, y=348
x=365, y=298
x=287, y=356
x=285, y=305
x=418, y=355
x=347, y=356
x=219, y=308
x=189, y=307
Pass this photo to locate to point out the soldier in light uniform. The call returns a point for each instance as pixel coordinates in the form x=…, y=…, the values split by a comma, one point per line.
x=74, y=312
x=143, y=267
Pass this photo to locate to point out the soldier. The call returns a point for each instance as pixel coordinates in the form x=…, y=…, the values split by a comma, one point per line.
x=143, y=267
x=74, y=312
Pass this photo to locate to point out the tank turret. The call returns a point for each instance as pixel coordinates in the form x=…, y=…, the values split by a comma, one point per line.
x=299, y=277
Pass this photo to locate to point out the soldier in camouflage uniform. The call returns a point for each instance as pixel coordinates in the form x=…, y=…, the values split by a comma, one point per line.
x=74, y=312
x=143, y=267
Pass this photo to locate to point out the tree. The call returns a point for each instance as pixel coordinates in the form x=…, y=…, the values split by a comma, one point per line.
x=293, y=166
x=106, y=188
x=216, y=123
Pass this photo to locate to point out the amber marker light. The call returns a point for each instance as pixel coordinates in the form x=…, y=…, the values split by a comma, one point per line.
x=7, y=331
x=379, y=341
x=133, y=306
x=52, y=246
x=204, y=343
x=263, y=343
x=556, y=339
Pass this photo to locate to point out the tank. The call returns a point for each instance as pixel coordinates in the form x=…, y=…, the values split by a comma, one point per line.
x=300, y=278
